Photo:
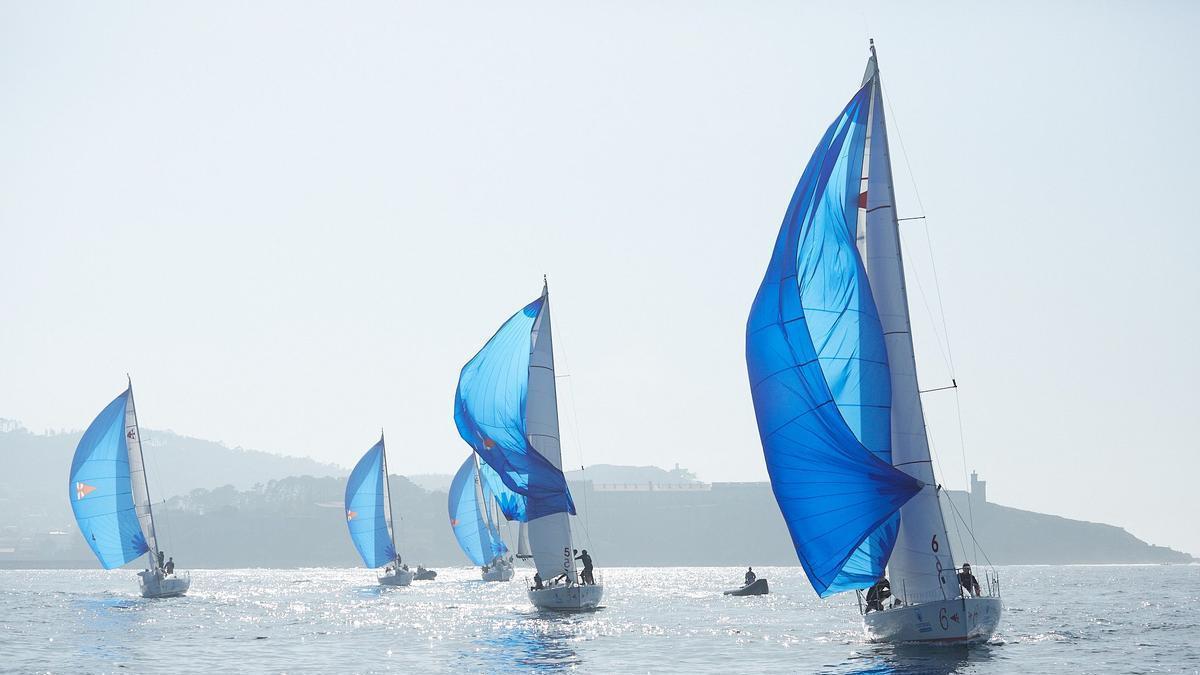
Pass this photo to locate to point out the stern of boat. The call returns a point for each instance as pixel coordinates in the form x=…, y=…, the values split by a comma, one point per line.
x=957, y=621
x=397, y=578
x=498, y=573
x=154, y=585
x=567, y=597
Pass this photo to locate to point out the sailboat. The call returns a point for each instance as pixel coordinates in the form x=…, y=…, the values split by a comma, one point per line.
x=832, y=371
x=474, y=519
x=110, y=496
x=369, y=516
x=506, y=409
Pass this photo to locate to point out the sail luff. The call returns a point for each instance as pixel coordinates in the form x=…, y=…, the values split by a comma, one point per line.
x=921, y=564
x=138, y=478
x=387, y=498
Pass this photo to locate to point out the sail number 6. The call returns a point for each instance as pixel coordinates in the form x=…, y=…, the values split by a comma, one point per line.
x=934, y=544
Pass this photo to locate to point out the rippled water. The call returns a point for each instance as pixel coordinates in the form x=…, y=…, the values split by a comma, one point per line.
x=1130, y=619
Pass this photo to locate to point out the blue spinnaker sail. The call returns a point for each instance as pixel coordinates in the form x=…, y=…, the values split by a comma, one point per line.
x=481, y=543
x=101, y=490
x=512, y=505
x=819, y=376
x=366, y=515
x=489, y=411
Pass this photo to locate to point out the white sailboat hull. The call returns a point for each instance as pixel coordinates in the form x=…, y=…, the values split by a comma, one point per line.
x=958, y=621
x=169, y=586
x=397, y=578
x=498, y=573
x=567, y=598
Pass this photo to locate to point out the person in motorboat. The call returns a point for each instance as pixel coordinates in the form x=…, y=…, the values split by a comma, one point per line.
x=169, y=568
x=750, y=576
x=882, y=590
x=586, y=575
x=968, y=580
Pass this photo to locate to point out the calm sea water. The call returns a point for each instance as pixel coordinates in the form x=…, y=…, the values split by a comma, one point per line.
x=1120, y=619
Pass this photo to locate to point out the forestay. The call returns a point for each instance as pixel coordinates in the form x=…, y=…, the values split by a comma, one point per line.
x=101, y=488
x=368, y=509
x=819, y=377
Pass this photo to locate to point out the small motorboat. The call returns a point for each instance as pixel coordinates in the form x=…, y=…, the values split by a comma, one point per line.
x=424, y=574
x=756, y=587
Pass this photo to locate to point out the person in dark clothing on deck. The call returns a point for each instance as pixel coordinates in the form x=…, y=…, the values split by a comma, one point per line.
x=750, y=575
x=968, y=580
x=160, y=560
x=586, y=575
x=882, y=590
x=537, y=581
x=169, y=568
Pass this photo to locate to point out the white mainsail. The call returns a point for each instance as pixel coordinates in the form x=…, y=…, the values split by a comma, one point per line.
x=549, y=536
x=137, y=474
x=523, y=551
x=921, y=568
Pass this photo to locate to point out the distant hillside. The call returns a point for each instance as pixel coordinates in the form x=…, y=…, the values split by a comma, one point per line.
x=229, y=507
x=434, y=482
x=33, y=481
x=1011, y=536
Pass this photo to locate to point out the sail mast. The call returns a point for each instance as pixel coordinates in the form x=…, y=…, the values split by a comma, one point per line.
x=921, y=564
x=387, y=498
x=137, y=473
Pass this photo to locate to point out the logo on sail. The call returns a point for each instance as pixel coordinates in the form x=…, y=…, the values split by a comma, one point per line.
x=350, y=514
x=489, y=443
x=131, y=434
x=454, y=522
x=82, y=490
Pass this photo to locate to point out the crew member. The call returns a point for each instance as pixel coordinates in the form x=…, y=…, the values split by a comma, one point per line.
x=882, y=590
x=750, y=575
x=968, y=580
x=586, y=575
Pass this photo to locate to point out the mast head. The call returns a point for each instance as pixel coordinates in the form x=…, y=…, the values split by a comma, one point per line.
x=872, y=63
x=545, y=286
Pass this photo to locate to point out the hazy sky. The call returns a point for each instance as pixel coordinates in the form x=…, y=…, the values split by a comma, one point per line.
x=292, y=223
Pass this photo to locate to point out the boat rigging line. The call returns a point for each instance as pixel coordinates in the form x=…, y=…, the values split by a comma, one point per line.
x=949, y=353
